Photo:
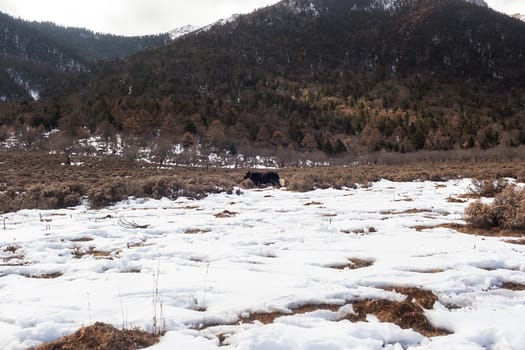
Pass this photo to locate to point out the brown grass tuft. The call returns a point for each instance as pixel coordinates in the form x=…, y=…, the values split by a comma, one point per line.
x=406, y=314
x=101, y=336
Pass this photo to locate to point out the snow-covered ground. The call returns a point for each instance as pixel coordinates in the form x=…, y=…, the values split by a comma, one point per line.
x=223, y=257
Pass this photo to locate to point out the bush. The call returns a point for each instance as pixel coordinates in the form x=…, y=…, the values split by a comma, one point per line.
x=507, y=211
x=107, y=193
x=488, y=188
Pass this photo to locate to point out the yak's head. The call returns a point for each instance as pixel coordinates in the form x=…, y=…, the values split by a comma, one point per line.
x=248, y=175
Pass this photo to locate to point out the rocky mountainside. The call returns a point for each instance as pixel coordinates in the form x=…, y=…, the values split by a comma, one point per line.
x=329, y=75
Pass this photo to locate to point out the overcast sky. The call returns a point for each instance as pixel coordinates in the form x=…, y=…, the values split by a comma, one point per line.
x=137, y=17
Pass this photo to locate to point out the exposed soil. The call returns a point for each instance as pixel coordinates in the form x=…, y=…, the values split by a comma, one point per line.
x=46, y=276
x=513, y=286
x=80, y=252
x=354, y=263
x=195, y=231
x=516, y=241
x=406, y=314
x=491, y=232
x=11, y=249
x=225, y=214
x=101, y=336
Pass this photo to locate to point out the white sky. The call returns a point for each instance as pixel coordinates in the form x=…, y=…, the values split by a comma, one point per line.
x=137, y=17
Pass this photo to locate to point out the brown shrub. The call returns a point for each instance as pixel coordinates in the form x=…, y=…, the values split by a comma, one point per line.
x=480, y=215
x=487, y=188
x=107, y=193
x=160, y=186
x=507, y=211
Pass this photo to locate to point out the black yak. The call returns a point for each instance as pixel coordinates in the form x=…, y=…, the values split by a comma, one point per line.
x=268, y=178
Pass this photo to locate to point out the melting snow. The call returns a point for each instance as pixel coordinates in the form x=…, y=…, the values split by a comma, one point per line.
x=61, y=269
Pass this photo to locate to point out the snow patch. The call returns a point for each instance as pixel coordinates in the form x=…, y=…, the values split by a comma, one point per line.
x=20, y=81
x=181, y=31
x=272, y=256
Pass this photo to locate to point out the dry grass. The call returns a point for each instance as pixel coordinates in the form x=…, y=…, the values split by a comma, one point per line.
x=225, y=214
x=406, y=314
x=354, y=264
x=489, y=232
x=35, y=179
x=507, y=211
x=513, y=286
x=102, y=336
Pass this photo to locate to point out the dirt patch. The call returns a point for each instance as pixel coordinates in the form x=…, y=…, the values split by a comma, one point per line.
x=225, y=214
x=456, y=200
x=188, y=207
x=196, y=231
x=80, y=253
x=429, y=271
x=269, y=317
x=422, y=297
x=408, y=211
x=46, y=276
x=491, y=232
x=406, y=314
x=353, y=264
x=513, y=286
x=101, y=336
x=312, y=203
x=11, y=249
x=360, y=231
x=81, y=239
x=516, y=241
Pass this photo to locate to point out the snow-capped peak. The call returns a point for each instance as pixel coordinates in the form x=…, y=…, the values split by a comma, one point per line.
x=519, y=16
x=481, y=3
x=181, y=31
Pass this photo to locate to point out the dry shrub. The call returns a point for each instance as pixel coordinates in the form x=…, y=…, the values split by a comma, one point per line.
x=300, y=182
x=487, y=188
x=48, y=196
x=157, y=187
x=108, y=193
x=507, y=211
x=160, y=186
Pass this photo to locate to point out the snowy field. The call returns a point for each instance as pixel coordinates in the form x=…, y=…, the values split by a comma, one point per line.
x=218, y=260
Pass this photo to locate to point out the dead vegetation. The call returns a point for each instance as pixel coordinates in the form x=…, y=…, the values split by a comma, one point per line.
x=79, y=252
x=38, y=180
x=225, y=214
x=353, y=264
x=408, y=313
x=512, y=286
x=101, y=336
x=46, y=276
x=467, y=229
x=195, y=231
x=506, y=212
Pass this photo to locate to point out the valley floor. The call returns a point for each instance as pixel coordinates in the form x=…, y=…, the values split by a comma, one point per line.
x=267, y=269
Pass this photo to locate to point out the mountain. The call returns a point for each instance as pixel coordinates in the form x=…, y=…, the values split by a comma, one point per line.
x=181, y=31
x=34, y=56
x=519, y=16
x=309, y=75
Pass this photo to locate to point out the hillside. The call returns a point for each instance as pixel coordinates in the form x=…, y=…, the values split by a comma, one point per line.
x=34, y=56
x=302, y=76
